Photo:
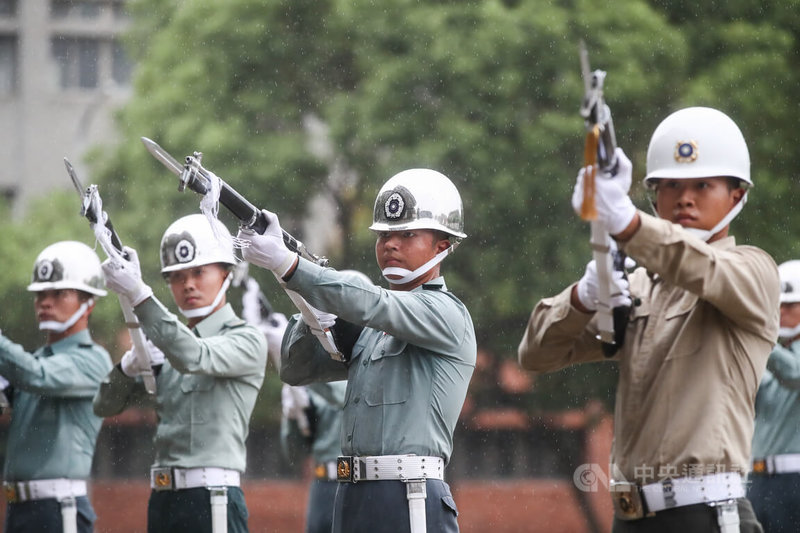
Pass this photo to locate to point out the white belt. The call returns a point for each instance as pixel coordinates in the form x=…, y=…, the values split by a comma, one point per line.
x=778, y=464
x=41, y=489
x=169, y=478
x=383, y=467
x=693, y=490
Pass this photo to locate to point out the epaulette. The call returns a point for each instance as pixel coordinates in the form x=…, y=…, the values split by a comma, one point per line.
x=234, y=323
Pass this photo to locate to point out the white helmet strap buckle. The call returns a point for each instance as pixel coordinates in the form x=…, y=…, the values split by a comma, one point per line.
x=407, y=276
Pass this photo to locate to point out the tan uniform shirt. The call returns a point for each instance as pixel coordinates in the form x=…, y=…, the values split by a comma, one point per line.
x=693, y=356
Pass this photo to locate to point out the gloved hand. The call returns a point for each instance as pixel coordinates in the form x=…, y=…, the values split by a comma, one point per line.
x=615, y=210
x=133, y=363
x=274, y=327
x=293, y=401
x=588, y=285
x=125, y=278
x=267, y=250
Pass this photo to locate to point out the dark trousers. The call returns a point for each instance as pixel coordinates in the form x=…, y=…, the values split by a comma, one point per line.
x=699, y=518
x=319, y=513
x=776, y=501
x=189, y=511
x=382, y=507
x=44, y=516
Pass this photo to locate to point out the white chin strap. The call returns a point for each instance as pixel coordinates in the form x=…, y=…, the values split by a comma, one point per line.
x=407, y=276
x=203, y=311
x=786, y=334
x=60, y=327
x=706, y=234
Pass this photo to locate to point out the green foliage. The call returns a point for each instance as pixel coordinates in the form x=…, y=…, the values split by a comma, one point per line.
x=485, y=91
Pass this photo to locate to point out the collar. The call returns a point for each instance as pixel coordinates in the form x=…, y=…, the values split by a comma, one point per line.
x=216, y=321
x=76, y=339
x=435, y=284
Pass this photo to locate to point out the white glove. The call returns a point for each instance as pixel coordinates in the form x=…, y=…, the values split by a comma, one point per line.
x=620, y=293
x=267, y=250
x=125, y=278
x=615, y=210
x=274, y=327
x=293, y=401
x=133, y=363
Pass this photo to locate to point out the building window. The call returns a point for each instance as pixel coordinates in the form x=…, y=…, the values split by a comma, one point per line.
x=8, y=64
x=77, y=60
x=8, y=8
x=120, y=64
x=87, y=9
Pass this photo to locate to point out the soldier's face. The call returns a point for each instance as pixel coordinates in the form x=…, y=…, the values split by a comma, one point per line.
x=197, y=286
x=697, y=202
x=58, y=305
x=410, y=250
x=790, y=314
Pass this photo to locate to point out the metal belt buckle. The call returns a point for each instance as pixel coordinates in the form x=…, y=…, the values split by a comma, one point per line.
x=10, y=490
x=760, y=466
x=628, y=501
x=163, y=478
x=344, y=469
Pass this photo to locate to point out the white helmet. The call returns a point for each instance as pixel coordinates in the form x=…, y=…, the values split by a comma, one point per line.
x=68, y=265
x=190, y=241
x=697, y=142
x=789, y=273
x=419, y=198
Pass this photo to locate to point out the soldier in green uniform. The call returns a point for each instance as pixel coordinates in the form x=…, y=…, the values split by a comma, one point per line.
x=207, y=385
x=53, y=432
x=409, y=355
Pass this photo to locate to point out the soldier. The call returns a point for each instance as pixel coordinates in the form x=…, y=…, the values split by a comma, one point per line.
x=53, y=432
x=698, y=337
x=409, y=355
x=775, y=479
x=212, y=370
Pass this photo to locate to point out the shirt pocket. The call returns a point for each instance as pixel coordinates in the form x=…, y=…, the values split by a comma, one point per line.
x=685, y=326
x=388, y=380
x=197, y=389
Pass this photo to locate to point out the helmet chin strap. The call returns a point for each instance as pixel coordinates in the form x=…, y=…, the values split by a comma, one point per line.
x=786, y=334
x=407, y=276
x=205, y=310
x=60, y=327
x=705, y=234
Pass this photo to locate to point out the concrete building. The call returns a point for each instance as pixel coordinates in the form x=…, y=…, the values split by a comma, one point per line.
x=63, y=71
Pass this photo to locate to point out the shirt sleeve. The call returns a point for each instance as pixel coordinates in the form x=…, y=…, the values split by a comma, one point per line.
x=118, y=392
x=558, y=335
x=74, y=372
x=239, y=351
x=741, y=281
x=304, y=360
x=784, y=363
x=430, y=319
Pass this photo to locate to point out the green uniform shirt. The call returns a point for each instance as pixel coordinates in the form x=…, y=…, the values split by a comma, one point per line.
x=327, y=400
x=778, y=404
x=207, y=387
x=409, y=369
x=53, y=431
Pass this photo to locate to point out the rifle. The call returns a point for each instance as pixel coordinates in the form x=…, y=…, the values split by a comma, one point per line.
x=600, y=153
x=92, y=209
x=258, y=311
x=193, y=175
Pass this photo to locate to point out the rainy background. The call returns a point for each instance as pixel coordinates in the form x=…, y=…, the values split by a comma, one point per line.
x=306, y=107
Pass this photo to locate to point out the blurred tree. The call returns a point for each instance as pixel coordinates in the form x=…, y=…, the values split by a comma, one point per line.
x=290, y=100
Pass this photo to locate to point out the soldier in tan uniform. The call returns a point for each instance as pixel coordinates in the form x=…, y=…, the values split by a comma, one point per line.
x=699, y=335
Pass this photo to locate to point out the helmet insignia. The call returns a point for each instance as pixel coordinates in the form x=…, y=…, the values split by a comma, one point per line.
x=184, y=251
x=686, y=151
x=394, y=206
x=787, y=287
x=48, y=270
